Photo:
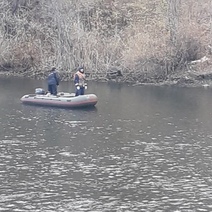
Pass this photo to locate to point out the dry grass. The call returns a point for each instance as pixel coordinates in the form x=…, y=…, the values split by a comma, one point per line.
x=134, y=36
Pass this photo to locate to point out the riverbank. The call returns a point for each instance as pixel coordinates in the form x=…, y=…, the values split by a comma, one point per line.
x=106, y=35
x=188, y=79
x=195, y=74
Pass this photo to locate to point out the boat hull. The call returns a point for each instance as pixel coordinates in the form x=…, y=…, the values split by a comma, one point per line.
x=62, y=101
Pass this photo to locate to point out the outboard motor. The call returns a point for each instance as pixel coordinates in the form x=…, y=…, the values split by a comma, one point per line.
x=39, y=91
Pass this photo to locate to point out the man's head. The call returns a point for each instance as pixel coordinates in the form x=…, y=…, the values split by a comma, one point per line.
x=81, y=70
x=53, y=69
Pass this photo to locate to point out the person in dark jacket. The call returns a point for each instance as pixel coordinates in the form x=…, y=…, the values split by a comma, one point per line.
x=79, y=81
x=53, y=81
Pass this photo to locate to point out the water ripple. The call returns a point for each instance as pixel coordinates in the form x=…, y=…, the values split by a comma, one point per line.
x=64, y=164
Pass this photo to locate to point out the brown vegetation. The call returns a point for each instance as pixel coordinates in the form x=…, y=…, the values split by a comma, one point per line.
x=144, y=39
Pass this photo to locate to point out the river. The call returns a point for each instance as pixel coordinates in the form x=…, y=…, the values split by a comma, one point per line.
x=140, y=149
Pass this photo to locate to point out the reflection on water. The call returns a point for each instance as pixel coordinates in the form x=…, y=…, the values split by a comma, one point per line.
x=140, y=149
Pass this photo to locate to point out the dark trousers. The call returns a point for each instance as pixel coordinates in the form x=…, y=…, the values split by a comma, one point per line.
x=52, y=89
x=81, y=91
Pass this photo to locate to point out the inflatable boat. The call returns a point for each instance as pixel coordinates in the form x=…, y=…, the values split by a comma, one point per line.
x=65, y=100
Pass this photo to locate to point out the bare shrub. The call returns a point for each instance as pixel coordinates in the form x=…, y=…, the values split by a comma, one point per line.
x=144, y=38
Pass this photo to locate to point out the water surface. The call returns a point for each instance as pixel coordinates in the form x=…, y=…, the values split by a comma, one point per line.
x=140, y=149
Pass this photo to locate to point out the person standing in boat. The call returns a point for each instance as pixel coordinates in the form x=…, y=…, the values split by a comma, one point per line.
x=79, y=81
x=53, y=81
